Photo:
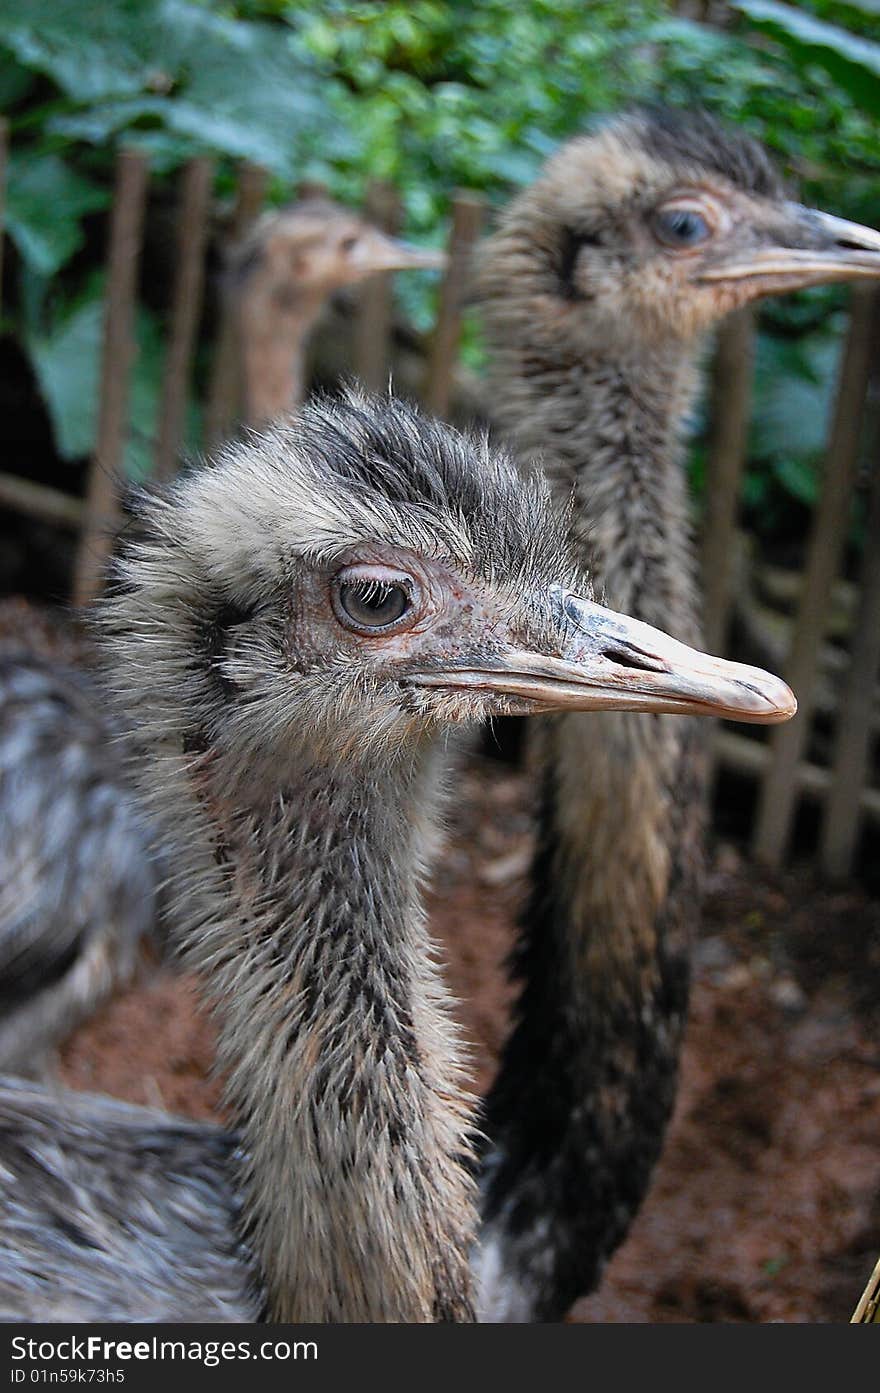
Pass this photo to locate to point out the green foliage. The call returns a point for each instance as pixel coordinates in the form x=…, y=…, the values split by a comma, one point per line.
x=853, y=62
x=797, y=353
x=793, y=397
x=66, y=355
x=45, y=206
x=66, y=361
x=433, y=94
x=792, y=394
x=175, y=76
x=474, y=94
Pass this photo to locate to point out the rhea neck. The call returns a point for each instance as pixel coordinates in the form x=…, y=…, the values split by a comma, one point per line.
x=577, y=1114
x=341, y=1060
x=275, y=324
x=606, y=422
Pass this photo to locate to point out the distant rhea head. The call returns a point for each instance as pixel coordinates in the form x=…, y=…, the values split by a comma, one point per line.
x=652, y=228
x=283, y=273
x=317, y=246
x=298, y=590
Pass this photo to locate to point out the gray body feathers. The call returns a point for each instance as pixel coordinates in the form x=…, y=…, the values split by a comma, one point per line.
x=142, y=1202
x=78, y=879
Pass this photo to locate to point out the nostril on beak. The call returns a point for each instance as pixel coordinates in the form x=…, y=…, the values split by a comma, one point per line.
x=592, y=621
x=625, y=655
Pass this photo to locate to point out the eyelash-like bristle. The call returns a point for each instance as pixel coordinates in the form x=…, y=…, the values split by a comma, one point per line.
x=371, y=592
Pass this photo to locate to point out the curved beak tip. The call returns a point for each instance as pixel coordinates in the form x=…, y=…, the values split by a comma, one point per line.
x=778, y=702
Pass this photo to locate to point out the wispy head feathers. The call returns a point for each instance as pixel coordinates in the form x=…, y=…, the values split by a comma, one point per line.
x=695, y=139
x=354, y=469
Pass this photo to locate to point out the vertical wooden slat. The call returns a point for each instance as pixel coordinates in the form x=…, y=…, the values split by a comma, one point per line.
x=778, y=795
x=372, y=333
x=195, y=202
x=730, y=408
x=4, y=156
x=468, y=214
x=102, y=492
x=852, y=746
x=853, y=732
x=223, y=407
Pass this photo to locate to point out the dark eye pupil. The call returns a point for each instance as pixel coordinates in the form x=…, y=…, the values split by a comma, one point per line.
x=373, y=604
x=682, y=227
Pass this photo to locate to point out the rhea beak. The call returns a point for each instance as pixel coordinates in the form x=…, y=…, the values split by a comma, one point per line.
x=614, y=663
x=375, y=251
x=806, y=248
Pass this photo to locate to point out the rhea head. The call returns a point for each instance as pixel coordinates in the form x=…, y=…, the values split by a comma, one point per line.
x=655, y=226
x=359, y=576
x=319, y=246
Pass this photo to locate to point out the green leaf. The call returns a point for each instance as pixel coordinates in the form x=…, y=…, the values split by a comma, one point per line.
x=98, y=124
x=687, y=33
x=868, y=7
x=798, y=477
x=93, y=49
x=239, y=88
x=853, y=62
x=794, y=387
x=66, y=361
x=45, y=201
x=14, y=82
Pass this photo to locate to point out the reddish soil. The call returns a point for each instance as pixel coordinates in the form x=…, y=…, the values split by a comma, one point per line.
x=766, y=1203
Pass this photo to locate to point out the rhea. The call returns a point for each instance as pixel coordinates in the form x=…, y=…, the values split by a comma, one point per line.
x=599, y=287
x=282, y=275
x=291, y=638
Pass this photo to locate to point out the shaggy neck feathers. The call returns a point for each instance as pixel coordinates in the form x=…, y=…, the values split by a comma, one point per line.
x=342, y=1064
x=339, y=1053
x=298, y=901
x=607, y=430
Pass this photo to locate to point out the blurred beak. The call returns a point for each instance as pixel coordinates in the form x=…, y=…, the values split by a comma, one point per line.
x=376, y=251
x=613, y=663
x=806, y=248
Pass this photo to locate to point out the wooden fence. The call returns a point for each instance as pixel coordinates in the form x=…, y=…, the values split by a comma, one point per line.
x=839, y=684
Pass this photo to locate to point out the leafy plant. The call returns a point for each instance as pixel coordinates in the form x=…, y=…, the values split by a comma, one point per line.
x=852, y=61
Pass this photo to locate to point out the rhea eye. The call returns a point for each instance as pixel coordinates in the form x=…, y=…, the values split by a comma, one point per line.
x=371, y=603
x=348, y=244
x=681, y=227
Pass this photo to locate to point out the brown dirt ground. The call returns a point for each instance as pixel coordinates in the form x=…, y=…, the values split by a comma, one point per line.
x=766, y=1203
